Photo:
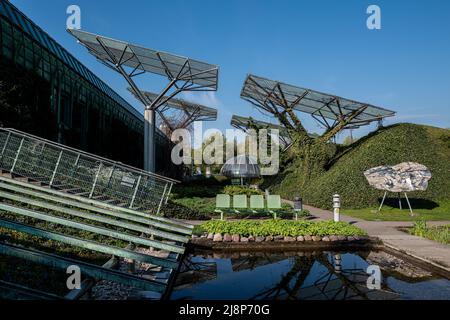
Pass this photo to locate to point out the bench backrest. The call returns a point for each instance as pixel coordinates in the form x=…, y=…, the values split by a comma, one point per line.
x=273, y=201
x=223, y=201
x=257, y=201
x=240, y=201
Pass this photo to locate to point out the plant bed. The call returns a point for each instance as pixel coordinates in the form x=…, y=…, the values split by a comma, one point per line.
x=275, y=233
x=286, y=228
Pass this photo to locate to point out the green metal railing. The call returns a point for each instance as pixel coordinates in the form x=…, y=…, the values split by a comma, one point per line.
x=57, y=216
x=81, y=173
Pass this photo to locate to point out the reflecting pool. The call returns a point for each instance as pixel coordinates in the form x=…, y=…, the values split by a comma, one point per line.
x=320, y=275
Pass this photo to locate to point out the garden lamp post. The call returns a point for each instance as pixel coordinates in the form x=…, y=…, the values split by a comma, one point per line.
x=336, y=207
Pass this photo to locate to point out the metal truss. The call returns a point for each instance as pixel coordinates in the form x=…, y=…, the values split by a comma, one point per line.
x=332, y=112
x=184, y=74
x=185, y=112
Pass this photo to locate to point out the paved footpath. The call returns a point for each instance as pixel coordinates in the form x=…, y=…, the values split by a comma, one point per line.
x=387, y=231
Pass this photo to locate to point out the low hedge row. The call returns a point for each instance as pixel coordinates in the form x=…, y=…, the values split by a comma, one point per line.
x=281, y=228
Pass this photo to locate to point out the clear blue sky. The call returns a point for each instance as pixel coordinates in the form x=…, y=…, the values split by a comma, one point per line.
x=322, y=45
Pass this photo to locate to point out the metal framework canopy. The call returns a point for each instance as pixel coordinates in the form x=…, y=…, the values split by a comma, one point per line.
x=191, y=111
x=131, y=60
x=273, y=95
x=196, y=75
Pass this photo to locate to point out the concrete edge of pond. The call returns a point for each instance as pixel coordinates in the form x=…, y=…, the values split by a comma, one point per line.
x=422, y=262
x=208, y=244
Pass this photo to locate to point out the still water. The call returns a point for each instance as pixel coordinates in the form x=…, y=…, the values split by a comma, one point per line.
x=305, y=275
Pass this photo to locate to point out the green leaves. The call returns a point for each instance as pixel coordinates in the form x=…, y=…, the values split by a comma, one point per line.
x=281, y=228
x=438, y=233
x=236, y=190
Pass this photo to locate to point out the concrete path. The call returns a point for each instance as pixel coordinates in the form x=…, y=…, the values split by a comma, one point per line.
x=388, y=231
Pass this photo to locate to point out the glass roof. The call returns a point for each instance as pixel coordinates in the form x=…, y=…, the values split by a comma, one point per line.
x=241, y=166
x=318, y=104
x=35, y=32
x=148, y=60
x=198, y=111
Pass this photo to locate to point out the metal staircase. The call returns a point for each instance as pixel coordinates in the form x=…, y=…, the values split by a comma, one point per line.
x=44, y=184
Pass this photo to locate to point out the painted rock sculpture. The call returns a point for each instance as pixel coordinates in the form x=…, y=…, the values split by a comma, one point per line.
x=403, y=177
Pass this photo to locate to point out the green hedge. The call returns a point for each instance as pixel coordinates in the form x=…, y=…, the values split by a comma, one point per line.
x=236, y=190
x=281, y=228
x=387, y=146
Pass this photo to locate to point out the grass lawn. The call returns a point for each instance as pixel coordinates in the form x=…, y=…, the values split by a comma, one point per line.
x=440, y=212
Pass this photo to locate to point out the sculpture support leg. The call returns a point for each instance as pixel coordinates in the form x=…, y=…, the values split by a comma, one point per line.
x=382, y=201
x=409, y=204
x=400, y=201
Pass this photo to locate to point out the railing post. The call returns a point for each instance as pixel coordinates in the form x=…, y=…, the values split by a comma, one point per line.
x=135, y=191
x=111, y=174
x=162, y=198
x=56, y=167
x=95, y=180
x=168, y=192
x=4, y=147
x=76, y=161
x=17, y=155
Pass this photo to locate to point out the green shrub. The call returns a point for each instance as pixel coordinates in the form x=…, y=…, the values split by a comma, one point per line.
x=236, y=190
x=281, y=227
x=439, y=233
x=189, y=208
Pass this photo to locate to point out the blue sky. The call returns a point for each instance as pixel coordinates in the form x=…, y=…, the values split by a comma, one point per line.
x=322, y=45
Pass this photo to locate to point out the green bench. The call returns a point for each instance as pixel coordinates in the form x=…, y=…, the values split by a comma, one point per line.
x=241, y=204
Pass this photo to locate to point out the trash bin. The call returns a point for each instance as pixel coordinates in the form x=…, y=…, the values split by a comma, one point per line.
x=298, y=205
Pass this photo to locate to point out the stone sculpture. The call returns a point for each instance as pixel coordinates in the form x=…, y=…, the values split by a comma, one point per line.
x=403, y=177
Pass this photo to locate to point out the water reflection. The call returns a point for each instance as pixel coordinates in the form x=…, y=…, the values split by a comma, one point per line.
x=304, y=275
